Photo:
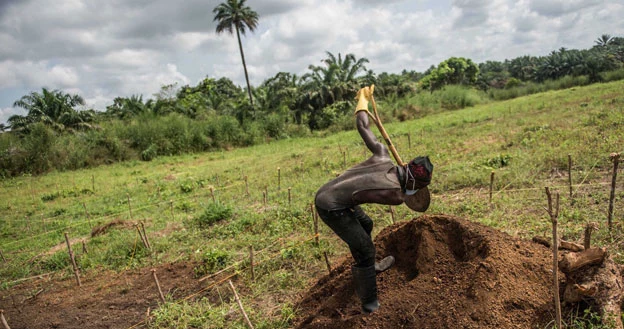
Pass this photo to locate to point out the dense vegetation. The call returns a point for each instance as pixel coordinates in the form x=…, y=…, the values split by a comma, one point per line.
x=216, y=114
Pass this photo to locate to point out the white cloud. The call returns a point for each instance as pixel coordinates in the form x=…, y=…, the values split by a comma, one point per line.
x=189, y=41
x=39, y=74
x=555, y=8
x=103, y=49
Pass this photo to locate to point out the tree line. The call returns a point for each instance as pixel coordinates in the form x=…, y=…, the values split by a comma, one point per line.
x=55, y=134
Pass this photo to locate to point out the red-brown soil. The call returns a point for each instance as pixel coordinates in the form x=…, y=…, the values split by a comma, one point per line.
x=449, y=273
x=109, y=300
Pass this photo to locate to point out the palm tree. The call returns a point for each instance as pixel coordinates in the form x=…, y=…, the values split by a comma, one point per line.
x=325, y=85
x=234, y=15
x=604, y=40
x=53, y=108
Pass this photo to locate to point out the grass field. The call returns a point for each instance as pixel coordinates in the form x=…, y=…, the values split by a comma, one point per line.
x=210, y=208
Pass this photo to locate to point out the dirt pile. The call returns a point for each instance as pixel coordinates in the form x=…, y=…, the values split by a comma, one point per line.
x=449, y=273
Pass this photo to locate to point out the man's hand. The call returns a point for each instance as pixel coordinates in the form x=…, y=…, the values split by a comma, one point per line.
x=363, y=96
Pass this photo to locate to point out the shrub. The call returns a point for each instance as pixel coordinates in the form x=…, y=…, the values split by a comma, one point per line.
x=38, y=146
x=456, y=97
x=498, y=161
x=512, y=83
x=149, y=153
x=211, y=261
x=274, y=125
x=213, y=213
x=613, y=75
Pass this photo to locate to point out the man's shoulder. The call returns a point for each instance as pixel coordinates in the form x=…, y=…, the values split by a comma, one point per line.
x=375, y=160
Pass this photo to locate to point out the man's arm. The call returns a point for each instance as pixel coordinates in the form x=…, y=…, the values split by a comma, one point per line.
x=363, y=126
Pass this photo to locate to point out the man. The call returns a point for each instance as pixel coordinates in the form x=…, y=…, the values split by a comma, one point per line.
x=376, y=180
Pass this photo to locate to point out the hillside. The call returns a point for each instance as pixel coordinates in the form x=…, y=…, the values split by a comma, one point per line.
x=203, y=212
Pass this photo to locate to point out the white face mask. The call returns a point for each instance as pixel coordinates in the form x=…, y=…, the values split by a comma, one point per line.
x=408, y=176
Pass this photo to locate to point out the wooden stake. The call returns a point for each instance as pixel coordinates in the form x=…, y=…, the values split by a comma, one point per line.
x=160, y=293
x=587, y=235
x=212, y=194
x=246, y=186
x=87, y=214
x=2, y=256
x=240, y=305
x=554, y=214
x=171, y=207
x=129, y=206
x=409, y=140
x=615, y=157
x=392, y=214
x=147, y=315
x=570, y=174
x=279, y=179
x=289, y=198
x=4, y=321
x=141, y=235
x=73, y=260
x=327, y=262
x=251, y=263
x=264, y=197
x=491, y=185
x=149, y=245
x=266, y=194
x=84, y=247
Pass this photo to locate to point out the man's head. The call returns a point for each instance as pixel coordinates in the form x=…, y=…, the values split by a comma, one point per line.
x=417, y=174
x=417, y=177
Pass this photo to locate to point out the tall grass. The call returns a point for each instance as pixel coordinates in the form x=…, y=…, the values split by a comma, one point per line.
x=528, y=88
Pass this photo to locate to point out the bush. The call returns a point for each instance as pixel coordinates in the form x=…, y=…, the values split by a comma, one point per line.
x=213, y=213
x=613, y=75
x=454, y=97
x=71, y=152
x=149, y=153
x=38, y=146
x=512, y=83
x=274, y=125
x=211, y=261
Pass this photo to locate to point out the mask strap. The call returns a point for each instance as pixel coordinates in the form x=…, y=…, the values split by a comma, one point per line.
x=408, y=175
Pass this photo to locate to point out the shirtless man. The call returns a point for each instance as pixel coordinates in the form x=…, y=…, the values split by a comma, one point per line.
x=376, y=180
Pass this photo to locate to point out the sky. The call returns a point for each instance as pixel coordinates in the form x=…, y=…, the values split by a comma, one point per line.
x=102, y=49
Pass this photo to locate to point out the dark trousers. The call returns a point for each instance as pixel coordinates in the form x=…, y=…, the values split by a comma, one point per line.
x=354, y=227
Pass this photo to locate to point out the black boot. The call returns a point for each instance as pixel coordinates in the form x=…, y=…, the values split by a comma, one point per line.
x=384, y=264
x=365, y=280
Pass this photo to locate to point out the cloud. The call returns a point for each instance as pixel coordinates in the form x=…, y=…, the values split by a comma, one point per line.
x=470, y=13
x=37, y=74
x=556, y=8
x=108, y=48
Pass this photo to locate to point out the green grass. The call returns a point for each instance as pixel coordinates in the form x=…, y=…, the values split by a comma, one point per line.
x=524, y=141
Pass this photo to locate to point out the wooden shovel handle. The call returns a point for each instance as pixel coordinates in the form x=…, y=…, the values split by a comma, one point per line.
x=384, y=134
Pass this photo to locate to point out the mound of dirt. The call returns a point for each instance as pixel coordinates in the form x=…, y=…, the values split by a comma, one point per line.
x=449, y=273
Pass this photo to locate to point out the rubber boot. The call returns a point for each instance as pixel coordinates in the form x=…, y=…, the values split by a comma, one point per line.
x=384, y=264
x=365, y=281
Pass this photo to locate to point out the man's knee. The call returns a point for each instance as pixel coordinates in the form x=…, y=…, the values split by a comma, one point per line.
x=365, y=255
